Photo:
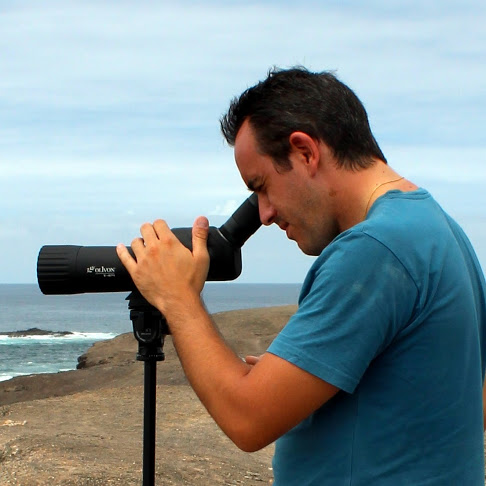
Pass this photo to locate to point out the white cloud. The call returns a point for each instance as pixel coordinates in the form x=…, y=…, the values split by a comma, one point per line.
x=226, y=209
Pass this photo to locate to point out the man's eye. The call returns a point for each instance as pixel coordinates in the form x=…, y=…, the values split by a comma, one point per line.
x=258, y=189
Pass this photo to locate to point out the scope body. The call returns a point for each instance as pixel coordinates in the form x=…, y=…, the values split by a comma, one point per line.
x=72, y=269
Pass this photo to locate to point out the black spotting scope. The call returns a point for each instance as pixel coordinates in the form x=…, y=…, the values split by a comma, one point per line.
x=71, y=269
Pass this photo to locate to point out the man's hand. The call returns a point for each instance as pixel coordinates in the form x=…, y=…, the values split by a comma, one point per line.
x=165, y=272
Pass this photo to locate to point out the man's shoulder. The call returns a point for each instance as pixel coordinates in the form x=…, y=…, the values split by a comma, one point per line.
x=409, y=220
x=403, y=229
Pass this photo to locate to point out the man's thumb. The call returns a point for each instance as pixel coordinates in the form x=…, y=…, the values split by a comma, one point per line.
x=200, y=232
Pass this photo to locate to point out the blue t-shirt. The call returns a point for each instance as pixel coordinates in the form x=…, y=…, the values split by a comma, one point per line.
x=393, y=313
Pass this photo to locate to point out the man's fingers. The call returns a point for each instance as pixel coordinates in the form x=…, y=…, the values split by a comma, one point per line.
x=158, y=233
x=125, y=257
x=137, y=243
x=252, y=360
x=148, y=232
x=162, y=231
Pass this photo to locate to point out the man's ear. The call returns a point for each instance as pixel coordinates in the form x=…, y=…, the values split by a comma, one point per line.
x=305, y=149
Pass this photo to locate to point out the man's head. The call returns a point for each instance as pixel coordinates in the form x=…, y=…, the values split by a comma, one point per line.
x=303, y=143
x=297, y=100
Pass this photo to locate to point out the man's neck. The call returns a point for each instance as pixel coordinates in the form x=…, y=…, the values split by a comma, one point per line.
x=354, y=192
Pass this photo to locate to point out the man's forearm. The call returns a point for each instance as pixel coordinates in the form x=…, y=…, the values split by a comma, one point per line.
x=214, y=371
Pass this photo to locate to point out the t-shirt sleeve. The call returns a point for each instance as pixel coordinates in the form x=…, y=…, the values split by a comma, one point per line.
x=355, y=300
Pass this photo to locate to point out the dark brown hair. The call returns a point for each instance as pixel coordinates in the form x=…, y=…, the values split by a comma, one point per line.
x=314, y=103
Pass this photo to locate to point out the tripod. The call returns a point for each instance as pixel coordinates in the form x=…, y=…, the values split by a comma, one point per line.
x=150, y=329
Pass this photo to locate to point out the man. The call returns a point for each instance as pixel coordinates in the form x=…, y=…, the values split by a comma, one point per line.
x=377, y=379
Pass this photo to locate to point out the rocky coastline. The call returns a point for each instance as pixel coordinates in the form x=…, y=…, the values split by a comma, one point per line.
x=84, y=427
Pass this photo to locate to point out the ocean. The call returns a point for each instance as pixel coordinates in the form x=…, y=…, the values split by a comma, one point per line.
x=94, y=317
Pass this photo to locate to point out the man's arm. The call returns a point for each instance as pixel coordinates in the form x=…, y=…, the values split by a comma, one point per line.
x=253, y=405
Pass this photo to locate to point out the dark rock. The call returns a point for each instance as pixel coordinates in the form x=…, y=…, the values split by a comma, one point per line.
x=34, y=331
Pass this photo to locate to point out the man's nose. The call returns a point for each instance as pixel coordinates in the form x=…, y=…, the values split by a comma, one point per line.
x=266, y=210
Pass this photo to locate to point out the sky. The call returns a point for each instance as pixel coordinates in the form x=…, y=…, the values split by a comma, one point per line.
x=109, y=112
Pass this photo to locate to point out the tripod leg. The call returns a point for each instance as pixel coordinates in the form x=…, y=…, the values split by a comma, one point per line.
x=149, y=422
x=149, y=328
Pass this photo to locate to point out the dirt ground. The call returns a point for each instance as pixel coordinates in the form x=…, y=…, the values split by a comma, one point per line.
x=85, y=427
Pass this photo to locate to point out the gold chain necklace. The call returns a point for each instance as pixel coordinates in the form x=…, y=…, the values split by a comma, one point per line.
x=375, y=189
